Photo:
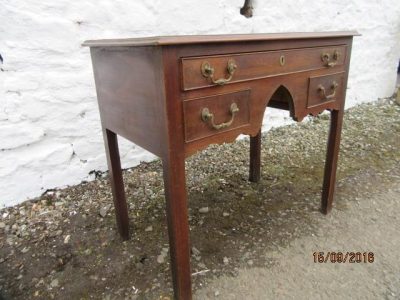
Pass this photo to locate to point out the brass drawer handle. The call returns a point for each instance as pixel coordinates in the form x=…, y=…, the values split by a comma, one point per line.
x=208, y=72
x=206, y=116
x=322, y=91
x=326, y=58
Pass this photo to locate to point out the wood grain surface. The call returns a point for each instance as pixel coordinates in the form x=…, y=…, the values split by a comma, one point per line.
x=154, y=95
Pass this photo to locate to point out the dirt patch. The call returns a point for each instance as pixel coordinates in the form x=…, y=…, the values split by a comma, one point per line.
x=64, y=245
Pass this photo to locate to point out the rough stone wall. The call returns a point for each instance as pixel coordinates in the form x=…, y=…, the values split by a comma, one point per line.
x=49, y=123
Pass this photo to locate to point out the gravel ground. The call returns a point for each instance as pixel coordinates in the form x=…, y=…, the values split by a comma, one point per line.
x=64, y=244
x=370, y=224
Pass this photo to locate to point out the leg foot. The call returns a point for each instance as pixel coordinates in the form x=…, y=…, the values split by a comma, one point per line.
x=178, y=225
x=117, y=184
x=255, y=157
x=328, y=188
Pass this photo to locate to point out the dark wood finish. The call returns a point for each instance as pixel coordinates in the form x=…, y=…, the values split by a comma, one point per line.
x=117, y=183
x=219, y=105
x=255, y=157
x=178, y=225
x=328, y=188
x=174, y=180
x=257, y=65
x=126, y=78
x=216, y=38
x=314, y=95
x=152, y=92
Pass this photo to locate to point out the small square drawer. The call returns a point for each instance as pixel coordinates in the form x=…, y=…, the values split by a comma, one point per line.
x=212, y=115
x=325, y=89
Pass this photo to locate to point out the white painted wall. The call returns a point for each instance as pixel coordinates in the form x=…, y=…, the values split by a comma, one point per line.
x=49, y=123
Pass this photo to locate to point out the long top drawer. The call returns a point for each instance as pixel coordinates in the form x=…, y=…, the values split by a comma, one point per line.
x=205, y=71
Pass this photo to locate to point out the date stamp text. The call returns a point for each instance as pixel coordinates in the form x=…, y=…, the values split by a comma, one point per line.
x=344, y=257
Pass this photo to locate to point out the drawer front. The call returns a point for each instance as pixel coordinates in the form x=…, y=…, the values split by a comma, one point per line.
x=205, y=71
x=212, y=115
x=324, y=89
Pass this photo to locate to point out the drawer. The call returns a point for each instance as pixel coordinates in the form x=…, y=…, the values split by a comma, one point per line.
x=324, y=89
x=212, y=115
x=199, y=72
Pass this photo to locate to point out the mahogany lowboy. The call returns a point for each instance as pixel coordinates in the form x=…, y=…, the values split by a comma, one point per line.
x=176, y=95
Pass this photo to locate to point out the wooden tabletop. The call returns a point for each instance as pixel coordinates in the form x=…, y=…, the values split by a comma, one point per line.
x=194, y=39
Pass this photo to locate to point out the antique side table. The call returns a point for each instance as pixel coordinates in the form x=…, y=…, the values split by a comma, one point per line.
x=176, y=95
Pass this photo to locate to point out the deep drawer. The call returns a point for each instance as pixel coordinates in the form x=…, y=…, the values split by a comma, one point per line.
x=211, y=115
x=205, y=71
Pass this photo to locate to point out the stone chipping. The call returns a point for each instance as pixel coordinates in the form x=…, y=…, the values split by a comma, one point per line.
x=64, y=244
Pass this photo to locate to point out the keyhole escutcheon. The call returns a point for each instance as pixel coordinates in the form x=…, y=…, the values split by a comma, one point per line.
x=282, y=60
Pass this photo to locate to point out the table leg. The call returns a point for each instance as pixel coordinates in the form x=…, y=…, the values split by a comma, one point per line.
x=255, y=157
x=328, y=189
x=178, y=225
x=117, y=184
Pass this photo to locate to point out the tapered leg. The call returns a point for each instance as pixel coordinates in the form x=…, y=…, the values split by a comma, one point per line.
x=178, y=225
x=328, y=188
x=117, y=184
x=255, y=157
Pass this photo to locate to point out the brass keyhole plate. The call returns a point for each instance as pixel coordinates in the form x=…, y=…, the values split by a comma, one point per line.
x=282, y=60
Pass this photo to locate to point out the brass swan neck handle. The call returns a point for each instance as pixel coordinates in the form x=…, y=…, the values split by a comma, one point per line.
x=322, y=91
x=208, y=72
x=208, y=117
x=326, y=58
